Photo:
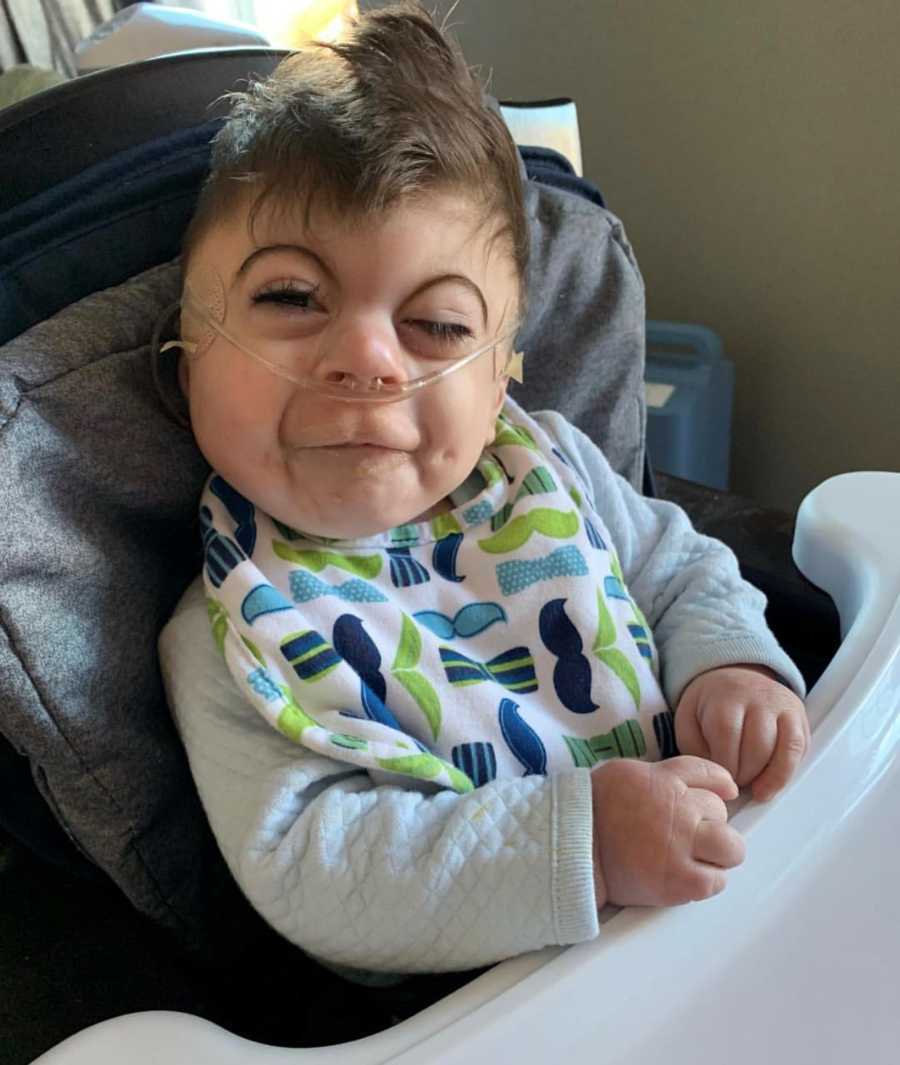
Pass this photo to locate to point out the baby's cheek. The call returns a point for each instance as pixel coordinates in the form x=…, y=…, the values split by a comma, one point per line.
x=446, y=462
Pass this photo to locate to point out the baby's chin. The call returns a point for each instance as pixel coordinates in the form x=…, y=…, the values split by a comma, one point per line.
x=356, y=522
x=325, y=497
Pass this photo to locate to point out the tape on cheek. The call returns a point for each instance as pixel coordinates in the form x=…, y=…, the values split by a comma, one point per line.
x=204, y=291
x=515, y=369
x=512, y=367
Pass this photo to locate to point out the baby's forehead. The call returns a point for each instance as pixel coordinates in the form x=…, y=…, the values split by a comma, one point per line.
x=260, y=219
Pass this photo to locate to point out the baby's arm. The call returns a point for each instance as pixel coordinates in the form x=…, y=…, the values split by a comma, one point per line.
x=749, y=716
x=385, y=877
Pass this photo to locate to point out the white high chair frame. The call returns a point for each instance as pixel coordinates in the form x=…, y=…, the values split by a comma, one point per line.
x=795, y=961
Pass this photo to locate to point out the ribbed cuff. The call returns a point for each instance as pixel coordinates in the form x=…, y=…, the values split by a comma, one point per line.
x=683, y=663
x=574, y=906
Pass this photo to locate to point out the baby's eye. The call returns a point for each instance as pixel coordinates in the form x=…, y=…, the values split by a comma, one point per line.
x=445, y=331
x=288, y=294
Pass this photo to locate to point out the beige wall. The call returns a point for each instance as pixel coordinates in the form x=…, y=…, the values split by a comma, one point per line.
x=753, y=152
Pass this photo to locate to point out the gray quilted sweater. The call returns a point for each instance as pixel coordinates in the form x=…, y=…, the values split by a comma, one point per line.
x=394, y=880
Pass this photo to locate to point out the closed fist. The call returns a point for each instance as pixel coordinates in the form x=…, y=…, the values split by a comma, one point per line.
x=747, y=722
x=661, y=835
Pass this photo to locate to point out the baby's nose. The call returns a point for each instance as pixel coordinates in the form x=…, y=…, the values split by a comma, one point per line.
x=362, y=349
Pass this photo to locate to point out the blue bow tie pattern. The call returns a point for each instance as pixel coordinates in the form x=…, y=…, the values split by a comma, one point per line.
x=518, y=574
x=221, y=554
x=477, y=760
x=306, y=587
x=514, y=669
x=310, y=655
x=405, y=570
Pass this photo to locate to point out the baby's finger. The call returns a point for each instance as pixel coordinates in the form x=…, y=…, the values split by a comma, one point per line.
x=707, y=806
x=701, y=773
x=719, y=845
x=700, y=881
x=722, y=728
x=789, y=749
x=757, y=744
x=688, y=736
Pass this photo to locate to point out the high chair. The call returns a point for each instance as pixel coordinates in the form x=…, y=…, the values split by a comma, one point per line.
x=98, y=488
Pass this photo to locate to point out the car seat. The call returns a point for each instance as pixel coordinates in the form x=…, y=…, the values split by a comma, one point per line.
x=99, y=485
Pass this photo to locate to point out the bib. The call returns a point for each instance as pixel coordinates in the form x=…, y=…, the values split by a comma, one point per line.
x=495, y=640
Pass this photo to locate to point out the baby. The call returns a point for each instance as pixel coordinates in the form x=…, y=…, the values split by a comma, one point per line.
x=441, y=734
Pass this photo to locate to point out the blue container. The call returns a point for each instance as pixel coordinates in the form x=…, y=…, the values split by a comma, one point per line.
x=690, y=392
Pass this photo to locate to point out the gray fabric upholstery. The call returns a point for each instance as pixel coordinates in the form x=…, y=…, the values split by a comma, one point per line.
x=98, y=491
x=583, y=335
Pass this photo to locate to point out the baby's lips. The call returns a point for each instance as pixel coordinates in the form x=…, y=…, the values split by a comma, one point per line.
x=388, y=433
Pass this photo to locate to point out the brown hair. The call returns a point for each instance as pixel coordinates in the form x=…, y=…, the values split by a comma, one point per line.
x=390, y=110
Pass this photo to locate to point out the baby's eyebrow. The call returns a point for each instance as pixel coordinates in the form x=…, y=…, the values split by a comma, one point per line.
x=459, y=279
x=267, y=248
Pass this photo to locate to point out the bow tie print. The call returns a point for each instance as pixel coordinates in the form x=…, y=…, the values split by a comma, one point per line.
x=518, y=574
x=305, y=587
x=514, y=669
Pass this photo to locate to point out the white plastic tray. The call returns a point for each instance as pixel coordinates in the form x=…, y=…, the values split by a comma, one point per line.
x=795, y=962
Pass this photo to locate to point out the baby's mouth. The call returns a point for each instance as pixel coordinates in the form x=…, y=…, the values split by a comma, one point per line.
x=363, y=459
x=345, y=435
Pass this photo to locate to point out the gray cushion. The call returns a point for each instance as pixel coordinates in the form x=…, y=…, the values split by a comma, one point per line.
x=583, y=335
x=98, y=491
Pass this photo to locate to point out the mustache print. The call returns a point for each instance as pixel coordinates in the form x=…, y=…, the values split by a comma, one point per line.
x=547, y=521
x=242, y=512
x=261, y=600
x=444, y=556
x=416, y=684
x=572, y=674
x=358, y=650
x=365, y=566
x=469, y=621
x=604, y=642
x=536, y=482
x=427, y=767
x=521, y=739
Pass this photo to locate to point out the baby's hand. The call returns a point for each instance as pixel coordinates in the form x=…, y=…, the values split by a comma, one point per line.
x=660, y=831
x=742, y=718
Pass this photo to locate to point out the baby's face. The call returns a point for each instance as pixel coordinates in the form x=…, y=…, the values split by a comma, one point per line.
x=365, y=297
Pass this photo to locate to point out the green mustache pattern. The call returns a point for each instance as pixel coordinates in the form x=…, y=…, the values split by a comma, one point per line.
x=365, y=566
x=560, y=524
